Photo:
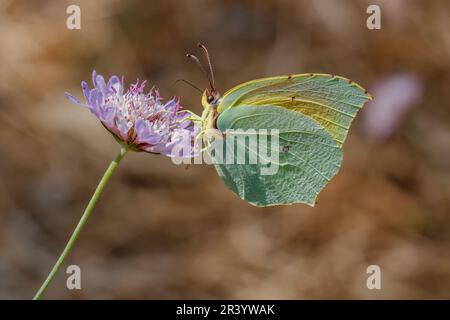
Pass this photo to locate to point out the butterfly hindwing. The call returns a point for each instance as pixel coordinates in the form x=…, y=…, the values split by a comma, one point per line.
x=305, y=158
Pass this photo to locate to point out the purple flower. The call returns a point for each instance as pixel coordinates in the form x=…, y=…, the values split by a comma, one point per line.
x=138, y=119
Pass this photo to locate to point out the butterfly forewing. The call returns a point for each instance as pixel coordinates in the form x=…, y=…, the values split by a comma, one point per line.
x=332, y=101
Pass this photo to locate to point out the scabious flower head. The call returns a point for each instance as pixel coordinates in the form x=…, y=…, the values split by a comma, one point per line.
x=138, y=119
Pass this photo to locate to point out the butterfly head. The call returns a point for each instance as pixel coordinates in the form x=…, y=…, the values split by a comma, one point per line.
x=211, y=97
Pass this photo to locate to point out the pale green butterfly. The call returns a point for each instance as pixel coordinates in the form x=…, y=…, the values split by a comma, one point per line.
x=312, y=112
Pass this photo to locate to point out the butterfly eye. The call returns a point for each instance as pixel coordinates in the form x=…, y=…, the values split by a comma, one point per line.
x=210, y=99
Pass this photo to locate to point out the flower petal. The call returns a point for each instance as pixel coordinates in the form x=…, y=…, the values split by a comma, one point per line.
x=94, y=78
x=100, y=83
x=86, y=90
x=145, y=134
x=95, y=101
x=115, y=85
x=72, y=98
x=122, y=128
x=107, y=113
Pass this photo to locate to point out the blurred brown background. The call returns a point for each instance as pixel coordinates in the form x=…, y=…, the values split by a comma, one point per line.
x=161, y=231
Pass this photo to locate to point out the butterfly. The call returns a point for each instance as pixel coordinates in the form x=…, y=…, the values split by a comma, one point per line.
x=311, y=114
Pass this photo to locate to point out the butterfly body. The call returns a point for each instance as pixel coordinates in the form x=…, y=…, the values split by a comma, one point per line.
x=210, y=113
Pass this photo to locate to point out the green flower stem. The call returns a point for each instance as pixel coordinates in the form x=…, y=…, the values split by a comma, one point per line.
x=87, y=212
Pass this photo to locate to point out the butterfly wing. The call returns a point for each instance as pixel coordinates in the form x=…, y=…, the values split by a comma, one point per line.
x=291, y=164
x=312, y=113
x=332, y=101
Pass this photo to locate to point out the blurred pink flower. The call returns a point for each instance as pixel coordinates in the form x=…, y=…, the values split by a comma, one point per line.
x=394, y=96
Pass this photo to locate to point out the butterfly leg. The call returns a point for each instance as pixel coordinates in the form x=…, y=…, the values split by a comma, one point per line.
x=193, y=117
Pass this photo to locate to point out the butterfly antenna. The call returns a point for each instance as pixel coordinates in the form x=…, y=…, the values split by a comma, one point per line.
x=191, y=56
x=189, y=83
x=205, y=51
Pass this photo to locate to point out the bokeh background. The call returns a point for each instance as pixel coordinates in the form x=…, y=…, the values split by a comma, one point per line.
x=164, y=231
